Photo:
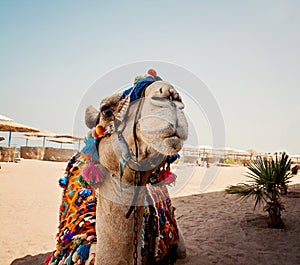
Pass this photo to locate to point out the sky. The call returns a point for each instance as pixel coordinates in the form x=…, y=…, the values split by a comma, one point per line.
x=246, y=52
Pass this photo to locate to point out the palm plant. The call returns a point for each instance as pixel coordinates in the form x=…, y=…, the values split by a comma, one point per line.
x=269, y=179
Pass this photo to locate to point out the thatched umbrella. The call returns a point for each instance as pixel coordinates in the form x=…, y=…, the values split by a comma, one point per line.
x=70, y=136
x=1, y=138
x=61, y=141
x=9, y=125
x=44, y=134
x=26, y=138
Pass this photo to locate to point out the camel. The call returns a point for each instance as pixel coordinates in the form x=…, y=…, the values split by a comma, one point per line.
x=136, y=131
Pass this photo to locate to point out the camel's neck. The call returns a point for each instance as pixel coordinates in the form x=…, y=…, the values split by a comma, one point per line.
x=115, y=233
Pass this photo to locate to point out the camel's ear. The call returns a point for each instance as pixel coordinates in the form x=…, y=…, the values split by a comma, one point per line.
x=91, y=117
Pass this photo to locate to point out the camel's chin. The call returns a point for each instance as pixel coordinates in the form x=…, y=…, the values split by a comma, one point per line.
x=167, y=146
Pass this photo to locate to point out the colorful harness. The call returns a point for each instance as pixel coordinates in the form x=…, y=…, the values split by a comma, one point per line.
x=76, y=237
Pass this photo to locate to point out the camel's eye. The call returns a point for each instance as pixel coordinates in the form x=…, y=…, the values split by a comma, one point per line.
x=106, y=112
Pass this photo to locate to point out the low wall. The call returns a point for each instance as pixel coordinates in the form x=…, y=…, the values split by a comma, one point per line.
x=58, y=154
x=7, y=154
x=47, y=153
x=32, y=152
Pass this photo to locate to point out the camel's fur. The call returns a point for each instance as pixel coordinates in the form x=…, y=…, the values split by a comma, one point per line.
x=161, y=127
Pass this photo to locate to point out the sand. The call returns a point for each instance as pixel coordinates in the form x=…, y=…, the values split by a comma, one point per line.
x=29, y=201
x=218, y=228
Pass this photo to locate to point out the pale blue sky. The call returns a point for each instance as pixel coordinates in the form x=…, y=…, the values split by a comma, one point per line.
x=247, y=52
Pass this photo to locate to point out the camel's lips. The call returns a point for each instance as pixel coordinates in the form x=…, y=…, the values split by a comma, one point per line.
x=173, y=144
x=173, y=138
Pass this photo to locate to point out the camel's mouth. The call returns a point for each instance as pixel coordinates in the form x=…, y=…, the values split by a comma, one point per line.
x=167, y=146
x=173, y=145
x=168, y=143
x=164, y=129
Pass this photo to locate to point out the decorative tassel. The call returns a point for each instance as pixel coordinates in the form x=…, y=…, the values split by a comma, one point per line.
x=90, y=148
x=92, y=174
x=83, y=182
x=68, y=237
x=75, y=257
x=166, y=176
x=90, y=238
x=68, y=260
x=83, y=251
x=72, y=161
x=63, y=182
x=47, y=260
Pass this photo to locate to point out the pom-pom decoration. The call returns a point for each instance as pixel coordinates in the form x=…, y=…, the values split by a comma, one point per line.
x=63, y=182
x=90, y=238
x=100, y=130
x=137, y=79
x=152, y=72
x=95, y=134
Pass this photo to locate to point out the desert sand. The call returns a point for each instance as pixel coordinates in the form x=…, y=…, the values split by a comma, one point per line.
x=218, y=228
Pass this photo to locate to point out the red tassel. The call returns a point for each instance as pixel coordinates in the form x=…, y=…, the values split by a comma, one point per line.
x=47, y=260
x=166, y=176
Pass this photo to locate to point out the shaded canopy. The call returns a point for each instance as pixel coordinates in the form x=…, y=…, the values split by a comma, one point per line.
x=76, y=138
x=9, y=125
x=61, y=141
x=70, y=136
x=26, y=138
x=45, y=133
x=42, y=133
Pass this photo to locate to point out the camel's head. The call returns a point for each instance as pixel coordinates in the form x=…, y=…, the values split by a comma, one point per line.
x=155, y=122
